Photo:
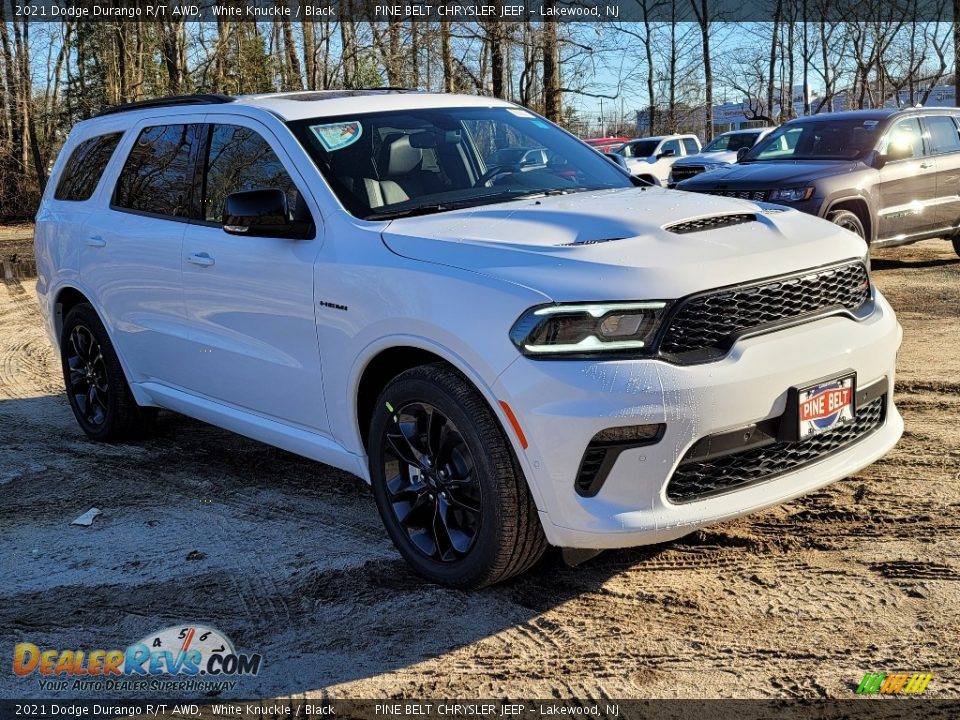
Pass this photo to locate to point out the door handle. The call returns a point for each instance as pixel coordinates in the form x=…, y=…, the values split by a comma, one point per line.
x=96, y=241
x=201, y=259
x=926, y=165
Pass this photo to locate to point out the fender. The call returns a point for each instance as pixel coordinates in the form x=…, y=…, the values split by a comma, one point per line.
x=838, y=197
x=486, y=392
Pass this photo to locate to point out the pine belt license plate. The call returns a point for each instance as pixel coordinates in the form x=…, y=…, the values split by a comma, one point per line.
x=825, y=406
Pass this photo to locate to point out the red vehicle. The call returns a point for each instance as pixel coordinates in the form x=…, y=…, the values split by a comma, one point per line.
x=606, y=144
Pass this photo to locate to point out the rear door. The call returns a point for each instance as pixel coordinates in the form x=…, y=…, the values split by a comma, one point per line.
x=130, y=258
x=249, y=300
x=907, y=189
x=944, y=139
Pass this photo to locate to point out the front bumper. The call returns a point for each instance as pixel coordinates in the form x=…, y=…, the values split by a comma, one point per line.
x=561, y=405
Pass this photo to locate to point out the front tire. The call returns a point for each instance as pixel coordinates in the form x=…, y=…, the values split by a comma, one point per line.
x=848, y=221
x=448, y=487
x=96, y=386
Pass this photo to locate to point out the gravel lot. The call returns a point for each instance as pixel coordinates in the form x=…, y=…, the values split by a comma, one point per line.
x=288, y=557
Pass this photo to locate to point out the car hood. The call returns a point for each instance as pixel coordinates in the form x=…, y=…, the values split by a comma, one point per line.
x=720, y=156
x=768, y=173
x=612, y=244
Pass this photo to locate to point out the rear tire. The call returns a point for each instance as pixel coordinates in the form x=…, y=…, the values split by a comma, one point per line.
x=96, y=386
x=448, y=487
x=955, y=240
x=848, y=221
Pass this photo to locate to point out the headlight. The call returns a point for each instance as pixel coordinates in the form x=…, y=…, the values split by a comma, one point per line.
x=791, y=195
x=587, y=329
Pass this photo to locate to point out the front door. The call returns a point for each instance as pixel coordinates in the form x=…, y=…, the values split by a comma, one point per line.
x=249, y=300
x=907, y=189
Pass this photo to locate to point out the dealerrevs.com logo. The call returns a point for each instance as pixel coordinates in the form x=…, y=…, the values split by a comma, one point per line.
x=894, y=684
x=188, y=658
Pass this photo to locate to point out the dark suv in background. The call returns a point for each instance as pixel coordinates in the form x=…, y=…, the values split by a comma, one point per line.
x=891, y=176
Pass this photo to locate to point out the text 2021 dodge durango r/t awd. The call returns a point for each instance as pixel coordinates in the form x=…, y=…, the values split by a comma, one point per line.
x=515, y=349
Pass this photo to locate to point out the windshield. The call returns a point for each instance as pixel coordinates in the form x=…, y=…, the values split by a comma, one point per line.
x=732, y=142
x=818, y=140
x=641, y=149
x=408, y=162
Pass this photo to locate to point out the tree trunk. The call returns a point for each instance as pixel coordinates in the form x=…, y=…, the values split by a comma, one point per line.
x=447, y=52
x=551, y=68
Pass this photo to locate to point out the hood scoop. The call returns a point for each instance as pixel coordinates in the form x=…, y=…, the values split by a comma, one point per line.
x=710, y=223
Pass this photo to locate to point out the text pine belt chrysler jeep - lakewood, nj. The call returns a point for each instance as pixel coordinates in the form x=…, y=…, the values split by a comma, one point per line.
x=515, y=349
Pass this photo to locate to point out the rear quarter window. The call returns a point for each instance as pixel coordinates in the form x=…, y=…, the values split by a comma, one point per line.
x=86, y=164
x=690, y=145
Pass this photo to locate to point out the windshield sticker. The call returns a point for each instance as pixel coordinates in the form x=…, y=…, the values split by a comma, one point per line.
x=870, y=123
x=337, y=136
x=520, y=113
x=541, y=124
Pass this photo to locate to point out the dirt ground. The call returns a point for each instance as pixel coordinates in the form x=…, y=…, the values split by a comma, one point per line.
x=288, y=557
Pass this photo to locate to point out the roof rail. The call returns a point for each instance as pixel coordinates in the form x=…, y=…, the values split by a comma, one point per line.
x=203, y=99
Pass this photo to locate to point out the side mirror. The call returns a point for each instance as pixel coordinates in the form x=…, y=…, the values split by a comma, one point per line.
x=263, y=213
x=878, y=160
x=666, y=154
x=742, y=153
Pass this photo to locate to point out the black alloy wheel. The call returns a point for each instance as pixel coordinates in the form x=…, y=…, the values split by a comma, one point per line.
x=447, y=483
x=96, y=386
x=431, y=484
x=87, y=380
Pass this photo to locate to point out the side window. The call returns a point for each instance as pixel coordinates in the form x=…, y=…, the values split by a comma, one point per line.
x=943, y=133
x=904, y=140
x=671, y=145
x=240, y=159
x=86, y=164
x=157, y=175
x=690, y=145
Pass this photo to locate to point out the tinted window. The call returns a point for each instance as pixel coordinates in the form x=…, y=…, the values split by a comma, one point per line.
x=239, y=159
x=643, y=148
x=85, y=166
x=818, y=139
x=943, y=133
x=690, y=145
x=157, y=175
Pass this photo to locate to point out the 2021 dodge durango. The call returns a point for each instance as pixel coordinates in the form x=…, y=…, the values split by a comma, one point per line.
x=513, y=355
x=890, y=176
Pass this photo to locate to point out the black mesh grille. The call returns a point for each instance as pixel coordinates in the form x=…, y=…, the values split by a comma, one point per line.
x=703, y=478
x=686, y=171
x=703, y=325
x=757, y=195
x=710, y=223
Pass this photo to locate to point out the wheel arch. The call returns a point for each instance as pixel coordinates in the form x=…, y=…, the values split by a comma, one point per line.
x=387, y=361
x=67, y=298
x=859, y=206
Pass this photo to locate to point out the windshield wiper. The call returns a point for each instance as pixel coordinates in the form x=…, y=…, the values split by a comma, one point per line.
x=471, y=202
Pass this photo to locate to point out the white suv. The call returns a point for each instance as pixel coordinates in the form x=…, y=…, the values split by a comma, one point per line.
x=513, y=354
x=651, y=158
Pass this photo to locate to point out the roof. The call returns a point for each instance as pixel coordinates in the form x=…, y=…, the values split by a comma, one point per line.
x=658, y=138
x=321, y=103
x=874, y=114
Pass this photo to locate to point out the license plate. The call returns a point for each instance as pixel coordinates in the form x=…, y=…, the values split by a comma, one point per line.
x=825, y=406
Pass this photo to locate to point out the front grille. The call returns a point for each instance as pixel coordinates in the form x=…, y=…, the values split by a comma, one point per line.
x=710, y=223
x=700, y=479
x=757, y=195
x=685, y=172
x=704, y=326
